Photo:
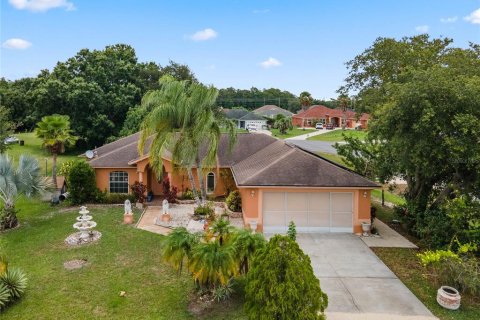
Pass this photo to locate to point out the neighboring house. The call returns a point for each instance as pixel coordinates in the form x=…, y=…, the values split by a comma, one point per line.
x=245, y=118
x=322, y=114
x=278, y=182
x=271, y=111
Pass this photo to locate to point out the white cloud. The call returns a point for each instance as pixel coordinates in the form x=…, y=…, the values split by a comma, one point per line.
x=270, y=63
x=41, y=5
x=203, y=35
x=211, y=67
x=257, y=11
x=422, y=29
x=16, y=43
x=473, y=17
x=449, y=19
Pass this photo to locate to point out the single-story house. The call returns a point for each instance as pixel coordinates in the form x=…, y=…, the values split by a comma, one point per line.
x=245, y=118
x=325, y=115
x=278, y=182
x=271, y=111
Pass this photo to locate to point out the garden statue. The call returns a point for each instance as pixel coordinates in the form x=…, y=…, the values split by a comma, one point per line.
x=128, y=216
x=165, y=208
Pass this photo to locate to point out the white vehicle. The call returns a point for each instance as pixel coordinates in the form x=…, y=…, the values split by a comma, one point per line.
x=251, y=127
x=319, y=126
x=10, y=140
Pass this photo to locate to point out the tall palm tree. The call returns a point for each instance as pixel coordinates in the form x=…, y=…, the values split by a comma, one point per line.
x=221, y=230
x=184, y=120
x=246, y=244
x=305, y=100
x=25, y=179
x=56, y=134
x=177, y=247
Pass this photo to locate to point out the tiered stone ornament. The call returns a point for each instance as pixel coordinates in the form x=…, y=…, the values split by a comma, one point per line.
x=85, y=226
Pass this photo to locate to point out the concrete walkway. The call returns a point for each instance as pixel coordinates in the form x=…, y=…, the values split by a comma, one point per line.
x=310, y=134
x=147, y=221
x=315, y=146
x=388, y=238
x=358, y=284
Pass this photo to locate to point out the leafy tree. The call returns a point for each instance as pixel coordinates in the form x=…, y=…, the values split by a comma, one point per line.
x=82, y=183
x=6, y=128
x=182, y=120
x=246, y=244
x=292, y=231
x=26, y=179
x=56, y=134
x=281, y=284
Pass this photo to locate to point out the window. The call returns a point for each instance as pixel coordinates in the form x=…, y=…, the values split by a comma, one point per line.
x=210, y=182
x=118, y=182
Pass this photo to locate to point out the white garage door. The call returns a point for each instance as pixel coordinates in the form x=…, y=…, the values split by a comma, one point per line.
x=311, y=211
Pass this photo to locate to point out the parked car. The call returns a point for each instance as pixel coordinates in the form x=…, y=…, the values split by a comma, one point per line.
x=10, y=140
x=329, y=126
x=319, y=126
x=251, y=127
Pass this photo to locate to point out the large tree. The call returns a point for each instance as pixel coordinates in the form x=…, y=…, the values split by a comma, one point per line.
x=6, y=128
x=183, y=120
x=424, y=96
x=56, y=135
x=281, y=284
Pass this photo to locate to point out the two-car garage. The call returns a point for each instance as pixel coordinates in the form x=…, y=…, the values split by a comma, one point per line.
x=310, y=211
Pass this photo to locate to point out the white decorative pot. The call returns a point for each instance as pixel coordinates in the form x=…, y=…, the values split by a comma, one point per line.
x=366, y=227
x=448, y=298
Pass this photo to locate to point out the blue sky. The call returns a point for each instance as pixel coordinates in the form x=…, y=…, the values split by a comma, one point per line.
x=291, y=45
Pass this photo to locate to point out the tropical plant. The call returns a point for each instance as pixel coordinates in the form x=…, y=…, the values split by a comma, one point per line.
x=187, y=195
x=292, y=231
x=139, y=189
x=25, y=179
x=281, y=284
x=16, y=282
x=184, y=119
x=65, y=167
x=223, y=292
x=82, y=183
x=204, y=210
x=221, y=230
x=169, y=192
x=177, y=247
x=283, y=124
x=5, y=296
x=56, y=134
x=6, y=128
x=234, y=201
x=305, y=100
x=246, y=244
x=213, y=263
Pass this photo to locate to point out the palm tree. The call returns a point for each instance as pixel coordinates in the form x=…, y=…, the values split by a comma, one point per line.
x=343, y=102
x=247, y=244
x=213, y=264
x=221, y=229
x=56, y=134
x=305, y=100
x=182, y=121
x=25, y=179
x=177, y=247
x=283, y=124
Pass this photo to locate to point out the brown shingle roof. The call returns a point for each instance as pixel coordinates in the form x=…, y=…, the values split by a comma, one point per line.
x=255, y=160
x=271, y=110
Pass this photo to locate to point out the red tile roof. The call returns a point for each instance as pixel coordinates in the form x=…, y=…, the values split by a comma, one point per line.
x=319, y=111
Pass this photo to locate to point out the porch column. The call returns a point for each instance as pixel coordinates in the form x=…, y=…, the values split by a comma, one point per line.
x=140, y=176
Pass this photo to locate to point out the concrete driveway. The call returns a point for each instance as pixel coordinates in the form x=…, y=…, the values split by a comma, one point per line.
x=315, y=146
x=359, y=285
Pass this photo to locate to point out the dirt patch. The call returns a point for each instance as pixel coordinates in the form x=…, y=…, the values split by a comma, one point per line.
x=200, y=305
x=75, y=264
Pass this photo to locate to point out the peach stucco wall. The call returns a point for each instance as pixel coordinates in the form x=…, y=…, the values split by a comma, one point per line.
x=252, y=203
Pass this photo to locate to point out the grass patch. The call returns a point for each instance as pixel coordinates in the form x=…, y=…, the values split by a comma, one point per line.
x=405, y=264
x=33, y=147
x=337, y=135
x=291, y=133
x=389, y=197
x=125, y=259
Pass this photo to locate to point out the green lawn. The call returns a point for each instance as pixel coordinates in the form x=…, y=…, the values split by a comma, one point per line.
x=33, y=147
x=337, y=135
x=125, y=259
x=389, y=197
x=405, y=264
x=290, y=133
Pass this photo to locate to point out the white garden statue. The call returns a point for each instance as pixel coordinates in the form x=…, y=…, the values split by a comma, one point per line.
x=128, y=207
x=165, y=206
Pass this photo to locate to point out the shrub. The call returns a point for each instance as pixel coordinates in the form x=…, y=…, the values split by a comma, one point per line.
x=234, y=201
x=169, y=192
x=4, y=296
x=281, y=284
x=117, y=198
x=187, y=195
x=82, y=184
x=65, y=168
x=204, y=210
x=16, y=282
x=292, y=231
x=223, y=292
x=139, y=189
